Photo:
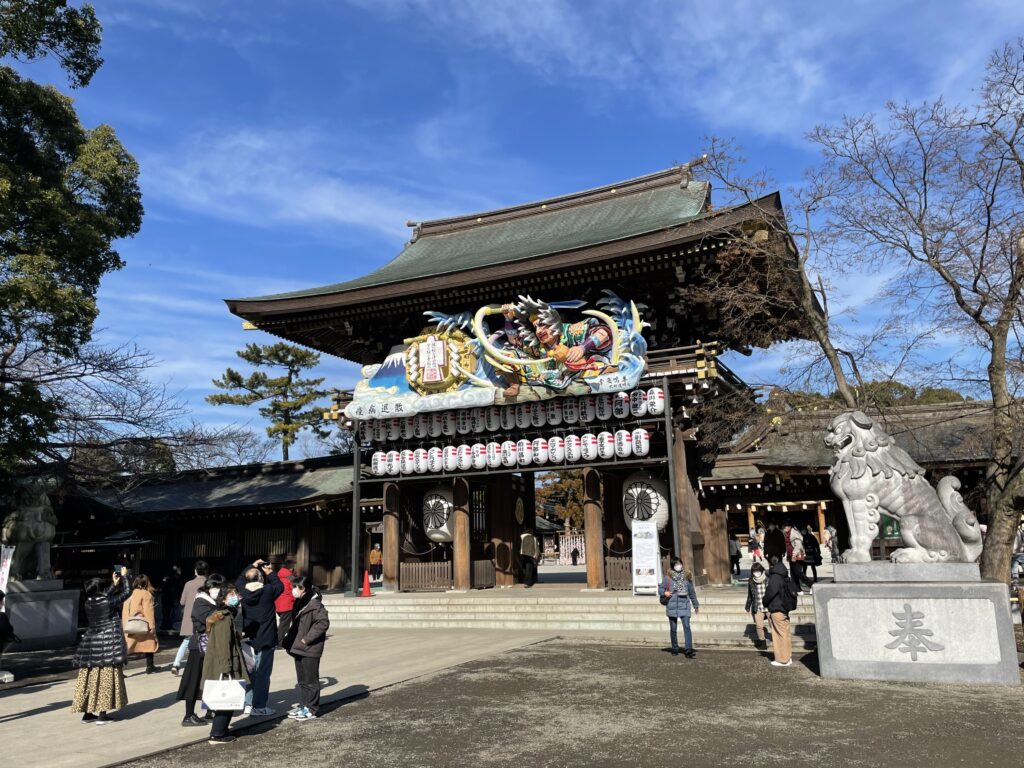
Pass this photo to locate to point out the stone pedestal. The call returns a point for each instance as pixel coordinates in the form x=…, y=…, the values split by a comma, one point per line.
x=936, y=623
x=44, y=614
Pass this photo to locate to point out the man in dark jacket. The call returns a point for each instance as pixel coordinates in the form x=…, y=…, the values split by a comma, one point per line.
x=774, y=543
x=259, y=588
x=779, y=599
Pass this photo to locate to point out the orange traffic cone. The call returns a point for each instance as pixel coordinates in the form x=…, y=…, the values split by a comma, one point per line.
x=366, y=585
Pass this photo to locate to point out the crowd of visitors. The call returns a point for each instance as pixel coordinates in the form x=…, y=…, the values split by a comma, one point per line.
x=230, y=632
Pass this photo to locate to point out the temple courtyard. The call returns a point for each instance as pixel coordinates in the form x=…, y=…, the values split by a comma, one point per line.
x=492, y=698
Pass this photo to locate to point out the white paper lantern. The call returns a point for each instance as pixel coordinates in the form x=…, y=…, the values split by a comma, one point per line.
x=604, y=407
x=419, y=461
x=509, y=454
x=435, y=459
x=477, y=420
x=655, y=401
x=554, y=409
x=435, y=425
x=421, y=425
x=638, y=403
x=641, y=442
x=408, y=429
x=524, y=452
x=450, y=458
x=462, y=424
x=538, y=414
x=570, y=410
x=405, y=459
x=573, y=448
x=605, y=445
x=463, y=457
x=392, y=462
x=588, y=408
x=523, y=415
x=645, y=497
x=394, y=429
x=556, y=449
x=438, y=517
x=493, y=455
x=380, y=431
x=508, y=417
x=492, y=418
x=589, y=446
x=479, y=456
x=620, y=405
x=623, y=443
x=448, y=423
x=366, y=431
x=377, y=465
x=540, y=451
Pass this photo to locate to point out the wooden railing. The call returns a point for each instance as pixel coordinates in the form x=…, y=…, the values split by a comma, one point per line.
x=425, y=577
x=618, y=572
x=483, y=574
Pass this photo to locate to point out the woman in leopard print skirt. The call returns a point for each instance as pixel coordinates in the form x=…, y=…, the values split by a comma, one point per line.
x=102, y=653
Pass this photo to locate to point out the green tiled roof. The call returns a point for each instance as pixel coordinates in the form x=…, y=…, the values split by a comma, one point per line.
x=642, y=205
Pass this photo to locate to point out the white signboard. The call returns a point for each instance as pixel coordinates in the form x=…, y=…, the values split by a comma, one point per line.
x=6, y=556
x=646, y=557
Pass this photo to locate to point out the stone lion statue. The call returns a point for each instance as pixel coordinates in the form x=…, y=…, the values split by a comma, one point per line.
x=29, y=527
x=874, y=477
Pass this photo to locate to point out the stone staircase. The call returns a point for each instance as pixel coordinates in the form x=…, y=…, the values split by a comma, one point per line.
x=569, y=613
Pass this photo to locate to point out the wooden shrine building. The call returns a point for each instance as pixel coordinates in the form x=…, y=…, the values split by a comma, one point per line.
x=529, y=338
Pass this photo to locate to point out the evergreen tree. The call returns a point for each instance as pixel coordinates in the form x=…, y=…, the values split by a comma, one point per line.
x=289, y=399
x=560, y=494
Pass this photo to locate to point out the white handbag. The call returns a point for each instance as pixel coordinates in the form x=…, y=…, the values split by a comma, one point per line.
x=136, y=625
x=224, y=695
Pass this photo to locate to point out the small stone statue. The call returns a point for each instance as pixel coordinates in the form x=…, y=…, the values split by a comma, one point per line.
x=873, y=477
x=30, y=526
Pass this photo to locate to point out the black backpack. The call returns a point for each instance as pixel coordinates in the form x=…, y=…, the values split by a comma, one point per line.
x=789, y=595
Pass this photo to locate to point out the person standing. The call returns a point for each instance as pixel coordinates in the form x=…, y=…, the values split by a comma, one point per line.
x=203, y=604
x=774, y=543
x=756, y=586
x=259, y=588
x=796, y=555
x=223, y=657
x=833, y=542
x=813, y=551
x=285, y=601
x=170, y=594
x=376, y=562
x=779, y=601
x=101, y=654
x=528, y=553
x=140, y=605
x=734, y=555
x=305, y=644
x=678, y=595
x=188, y=597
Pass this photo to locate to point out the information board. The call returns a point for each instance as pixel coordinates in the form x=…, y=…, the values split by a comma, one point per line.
x=646, y=557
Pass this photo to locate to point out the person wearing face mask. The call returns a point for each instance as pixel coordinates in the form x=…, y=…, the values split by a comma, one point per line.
x=223, y=659
x=305, y=644
x=678, y=595
x=259, y=589
x=205, y=603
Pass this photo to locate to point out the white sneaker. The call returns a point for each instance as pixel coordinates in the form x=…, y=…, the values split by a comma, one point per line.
x=263, y=711
x=305, y=714
x=782, y=664
x=247, y=709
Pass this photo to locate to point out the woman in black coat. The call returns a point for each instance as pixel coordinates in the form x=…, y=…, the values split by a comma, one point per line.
x=190, y=687
x=101, y=655
x=305, y=643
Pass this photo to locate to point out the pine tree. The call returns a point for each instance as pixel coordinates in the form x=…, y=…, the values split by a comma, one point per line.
x=288, y=397
x=560, y=493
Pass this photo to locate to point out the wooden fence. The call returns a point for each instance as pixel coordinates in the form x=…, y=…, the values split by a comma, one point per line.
x=483, y=574
x=618, y=572
x=425, y=577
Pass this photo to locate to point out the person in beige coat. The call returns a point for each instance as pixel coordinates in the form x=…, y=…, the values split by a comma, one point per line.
x=140, y=605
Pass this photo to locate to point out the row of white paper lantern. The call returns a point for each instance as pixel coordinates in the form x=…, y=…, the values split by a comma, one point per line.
x=512, y=453
x=585, y=409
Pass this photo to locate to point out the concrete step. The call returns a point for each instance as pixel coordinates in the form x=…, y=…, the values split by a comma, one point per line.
x=653, y=629
x=553, y=617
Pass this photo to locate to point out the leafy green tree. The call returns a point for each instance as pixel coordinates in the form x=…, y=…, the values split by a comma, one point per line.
x=560, y=494
x=67, y=193
x=288, y=397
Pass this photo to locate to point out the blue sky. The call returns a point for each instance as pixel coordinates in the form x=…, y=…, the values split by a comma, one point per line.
x=284, y=144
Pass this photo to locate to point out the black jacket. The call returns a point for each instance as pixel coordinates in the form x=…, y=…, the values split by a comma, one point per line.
x=259, y=617
x=774, y=544
x=775, y=599
x=812, y=550
x=202, y=607
x=310, y=623
x=103, y=643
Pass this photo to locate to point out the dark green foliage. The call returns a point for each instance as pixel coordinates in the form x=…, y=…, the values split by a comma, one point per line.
x=288, y=397
x=30, y=29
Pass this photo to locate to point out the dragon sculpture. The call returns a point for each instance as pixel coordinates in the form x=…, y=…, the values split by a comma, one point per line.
x=874, y=477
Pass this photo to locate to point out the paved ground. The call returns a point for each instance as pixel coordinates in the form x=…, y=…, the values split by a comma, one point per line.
x=590, y=704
